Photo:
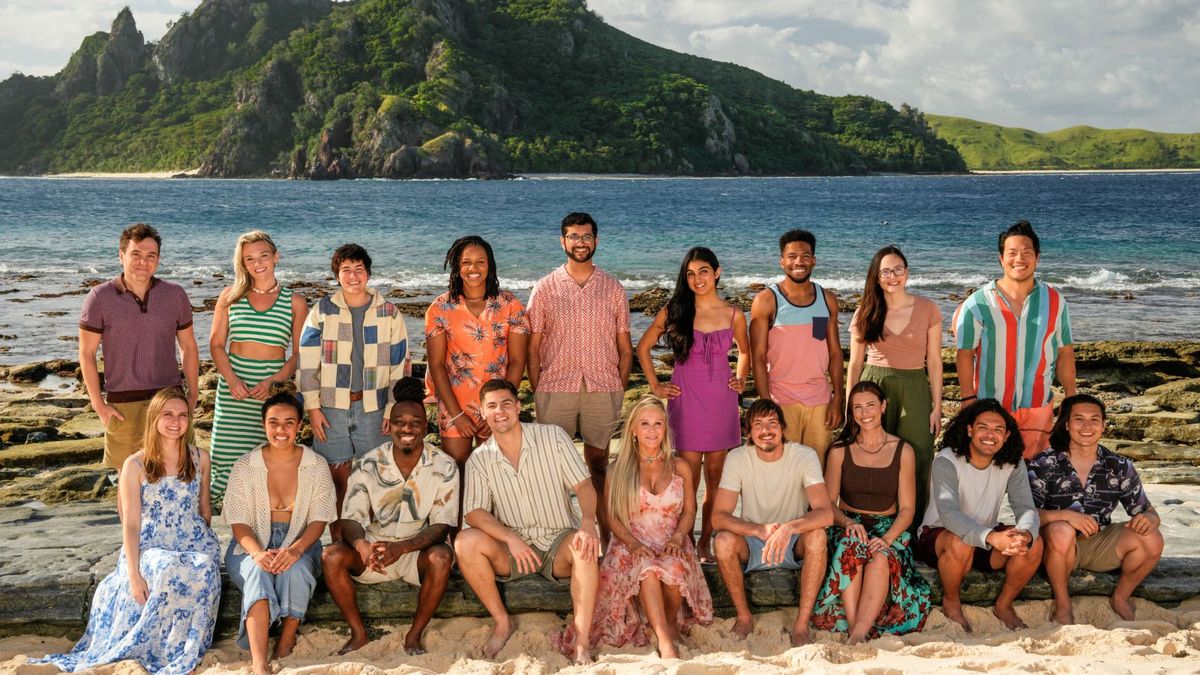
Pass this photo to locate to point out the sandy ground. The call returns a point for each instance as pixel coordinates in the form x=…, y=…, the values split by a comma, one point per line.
x=123, y=175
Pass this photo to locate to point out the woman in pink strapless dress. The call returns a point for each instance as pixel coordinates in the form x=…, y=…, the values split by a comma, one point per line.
x=650, y=558
x=700, y=327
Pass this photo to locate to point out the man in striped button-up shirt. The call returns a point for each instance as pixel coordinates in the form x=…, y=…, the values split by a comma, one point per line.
x=518, y=515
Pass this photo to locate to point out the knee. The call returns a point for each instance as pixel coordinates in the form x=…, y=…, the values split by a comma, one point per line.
x=1153, y=543
x=814, y=541
x=725, y=544
x=1059, y=537
x=438, y=559
x=336, y=556
x=467, y=543
x=956, y=548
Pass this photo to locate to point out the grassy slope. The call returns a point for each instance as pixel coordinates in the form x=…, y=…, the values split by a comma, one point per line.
x=991, y=147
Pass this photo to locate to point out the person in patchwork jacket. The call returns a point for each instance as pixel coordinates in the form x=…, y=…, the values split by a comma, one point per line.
x=354, y=347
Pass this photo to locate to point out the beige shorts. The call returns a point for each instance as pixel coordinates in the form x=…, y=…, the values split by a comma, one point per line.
x=806, y=426
x=594, y=414
x=1098, y=552
x=123, y=438
x=404, y=569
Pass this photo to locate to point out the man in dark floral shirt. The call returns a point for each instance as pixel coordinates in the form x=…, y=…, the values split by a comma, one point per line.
x=1076, y=515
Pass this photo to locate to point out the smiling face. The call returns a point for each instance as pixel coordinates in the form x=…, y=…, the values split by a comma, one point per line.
x=473, y=268
x=139, y=260
x=766, y=432
x=172, y=422
x=988, y=434
x=259, y=260
x=893, y=274
x=797, y=261
x=1019, y=259
x=579, y=242
x=1085, y=425
x=867, y=410
x=702, y=277
x=282, y=423
x=649, y=430
x=352, y=275
x=500, y=410
x=408, y=423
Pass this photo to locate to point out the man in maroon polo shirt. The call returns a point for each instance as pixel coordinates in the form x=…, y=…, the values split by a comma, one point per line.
x=137, y=318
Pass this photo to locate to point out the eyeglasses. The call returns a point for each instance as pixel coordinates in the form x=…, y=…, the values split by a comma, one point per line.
x=893, y=272
x=577, y=238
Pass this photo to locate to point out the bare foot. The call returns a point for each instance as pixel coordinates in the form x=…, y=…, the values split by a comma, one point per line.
x=1009, y=616
x=704, y=552
x=1123, y=607
x=412, y=644
x=1063, y=616
x=583, y=655
x=355, y=642
x=667, y=650
x=500, y=634
x=856, y=639
x=260, y=669
x=953, y=611
x=743, y=626
x=283, y=647
x=800, y=636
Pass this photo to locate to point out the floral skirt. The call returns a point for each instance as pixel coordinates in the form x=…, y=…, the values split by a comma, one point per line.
x=907, y=603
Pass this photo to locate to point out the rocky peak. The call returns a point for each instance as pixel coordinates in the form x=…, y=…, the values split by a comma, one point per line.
x=105, y=61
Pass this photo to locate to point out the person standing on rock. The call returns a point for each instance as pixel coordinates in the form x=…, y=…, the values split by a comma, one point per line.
x=354, y=347
x=1076, y=485
x=255, y=321
x=138, y=319
x=899, y=335
x=580, y=351
x=796, y=353
x=978, y=467
x=1013, y=336
x=401, y=503
x=523, y=523
x=784, y=512
x=474, y=332
x=702, y=396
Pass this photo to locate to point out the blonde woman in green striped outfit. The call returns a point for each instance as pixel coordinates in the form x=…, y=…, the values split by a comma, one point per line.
x=258, y=318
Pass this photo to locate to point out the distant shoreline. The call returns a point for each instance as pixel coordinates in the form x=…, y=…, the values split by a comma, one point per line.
x=124, y=174
x=988, y=172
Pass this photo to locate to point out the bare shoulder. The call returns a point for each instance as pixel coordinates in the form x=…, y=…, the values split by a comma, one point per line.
x=134, y=463
x=682, y=468
x=764, y=301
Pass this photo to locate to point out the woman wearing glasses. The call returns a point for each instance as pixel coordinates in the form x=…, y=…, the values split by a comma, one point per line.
x=900, y=335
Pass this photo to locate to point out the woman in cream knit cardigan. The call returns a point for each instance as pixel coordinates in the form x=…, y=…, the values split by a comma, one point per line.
x=278, y=501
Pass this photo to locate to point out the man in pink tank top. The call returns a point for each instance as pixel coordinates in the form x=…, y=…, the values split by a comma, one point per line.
x=796, y=355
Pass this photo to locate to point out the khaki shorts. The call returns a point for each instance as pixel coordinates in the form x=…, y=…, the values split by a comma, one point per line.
x=806, y=425
x=404, y=569
x=547, y=567
x=123, y=438
x=594, y=414
x=1098, y=553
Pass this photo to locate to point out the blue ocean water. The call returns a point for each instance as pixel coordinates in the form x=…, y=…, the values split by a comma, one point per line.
x=1123, y=247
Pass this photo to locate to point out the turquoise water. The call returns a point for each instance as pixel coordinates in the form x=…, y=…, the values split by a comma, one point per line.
x=1123, y=247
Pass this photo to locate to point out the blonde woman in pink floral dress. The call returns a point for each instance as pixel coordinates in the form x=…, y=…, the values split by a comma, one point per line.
x=650, y=573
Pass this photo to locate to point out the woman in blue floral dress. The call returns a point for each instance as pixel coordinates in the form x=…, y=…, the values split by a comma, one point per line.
x=159, y=606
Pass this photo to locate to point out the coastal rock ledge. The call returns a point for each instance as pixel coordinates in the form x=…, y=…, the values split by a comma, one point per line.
x=48, y=573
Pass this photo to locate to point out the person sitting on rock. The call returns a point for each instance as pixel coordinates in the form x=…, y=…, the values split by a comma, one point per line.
x=520, y=524
x=978, y=466
x=401, y=503
x=1076, y=515
x=785, y=510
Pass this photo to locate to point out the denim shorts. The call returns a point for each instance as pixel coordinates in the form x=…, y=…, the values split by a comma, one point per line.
x=350, y=434
x=755, y=561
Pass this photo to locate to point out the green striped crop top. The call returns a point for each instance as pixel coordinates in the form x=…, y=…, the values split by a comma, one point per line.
x=270, y=327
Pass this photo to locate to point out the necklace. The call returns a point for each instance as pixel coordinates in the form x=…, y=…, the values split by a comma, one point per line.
x=876, y=451
x=270, y=290
x=653, y=458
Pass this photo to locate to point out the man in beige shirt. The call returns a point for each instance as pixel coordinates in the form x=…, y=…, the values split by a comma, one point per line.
x=517, y=509
x=785, y=510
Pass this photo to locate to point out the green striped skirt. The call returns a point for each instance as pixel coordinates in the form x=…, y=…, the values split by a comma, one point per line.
x=237, y=425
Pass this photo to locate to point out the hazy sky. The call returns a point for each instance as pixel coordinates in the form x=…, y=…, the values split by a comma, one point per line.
x=1041, y=64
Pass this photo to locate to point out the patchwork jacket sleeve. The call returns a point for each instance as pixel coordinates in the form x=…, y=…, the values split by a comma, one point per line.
x=308, y=374
x=399, y=358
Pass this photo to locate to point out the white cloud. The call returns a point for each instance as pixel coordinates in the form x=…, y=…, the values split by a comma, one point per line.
x=1032, y=63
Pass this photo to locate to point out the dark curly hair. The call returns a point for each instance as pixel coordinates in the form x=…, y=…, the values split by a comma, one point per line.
x=409, y=390
x=957, y=439
x=454, y=259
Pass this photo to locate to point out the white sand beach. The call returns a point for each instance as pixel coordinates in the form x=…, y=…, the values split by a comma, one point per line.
x=125, y=175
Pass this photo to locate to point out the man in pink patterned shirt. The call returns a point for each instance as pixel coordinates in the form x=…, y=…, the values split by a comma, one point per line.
x=580, y=352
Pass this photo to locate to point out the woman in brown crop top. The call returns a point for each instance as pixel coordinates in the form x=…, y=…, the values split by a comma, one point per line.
x=871, y=478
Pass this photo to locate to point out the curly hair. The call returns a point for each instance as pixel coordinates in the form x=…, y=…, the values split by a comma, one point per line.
x=453, y=263
x=958, y=439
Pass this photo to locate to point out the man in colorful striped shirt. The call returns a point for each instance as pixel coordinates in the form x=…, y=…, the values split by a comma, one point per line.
x=1013, y=336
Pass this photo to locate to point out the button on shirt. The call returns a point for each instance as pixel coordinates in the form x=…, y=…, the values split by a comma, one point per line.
x=580, y=325
x=1112, y=479
x=390, y=506
x=1015, y=355
x=532, y=499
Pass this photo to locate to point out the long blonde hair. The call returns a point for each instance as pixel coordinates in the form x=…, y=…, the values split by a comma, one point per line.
x=152, y=449
x=242, y=280
x=624, y=477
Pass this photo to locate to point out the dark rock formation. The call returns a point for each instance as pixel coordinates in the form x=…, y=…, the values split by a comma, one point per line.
x=105, y=61
x=261, y=128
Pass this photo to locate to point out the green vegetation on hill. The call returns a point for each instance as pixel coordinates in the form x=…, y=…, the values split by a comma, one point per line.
x=404, y=88
x=991, y=147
